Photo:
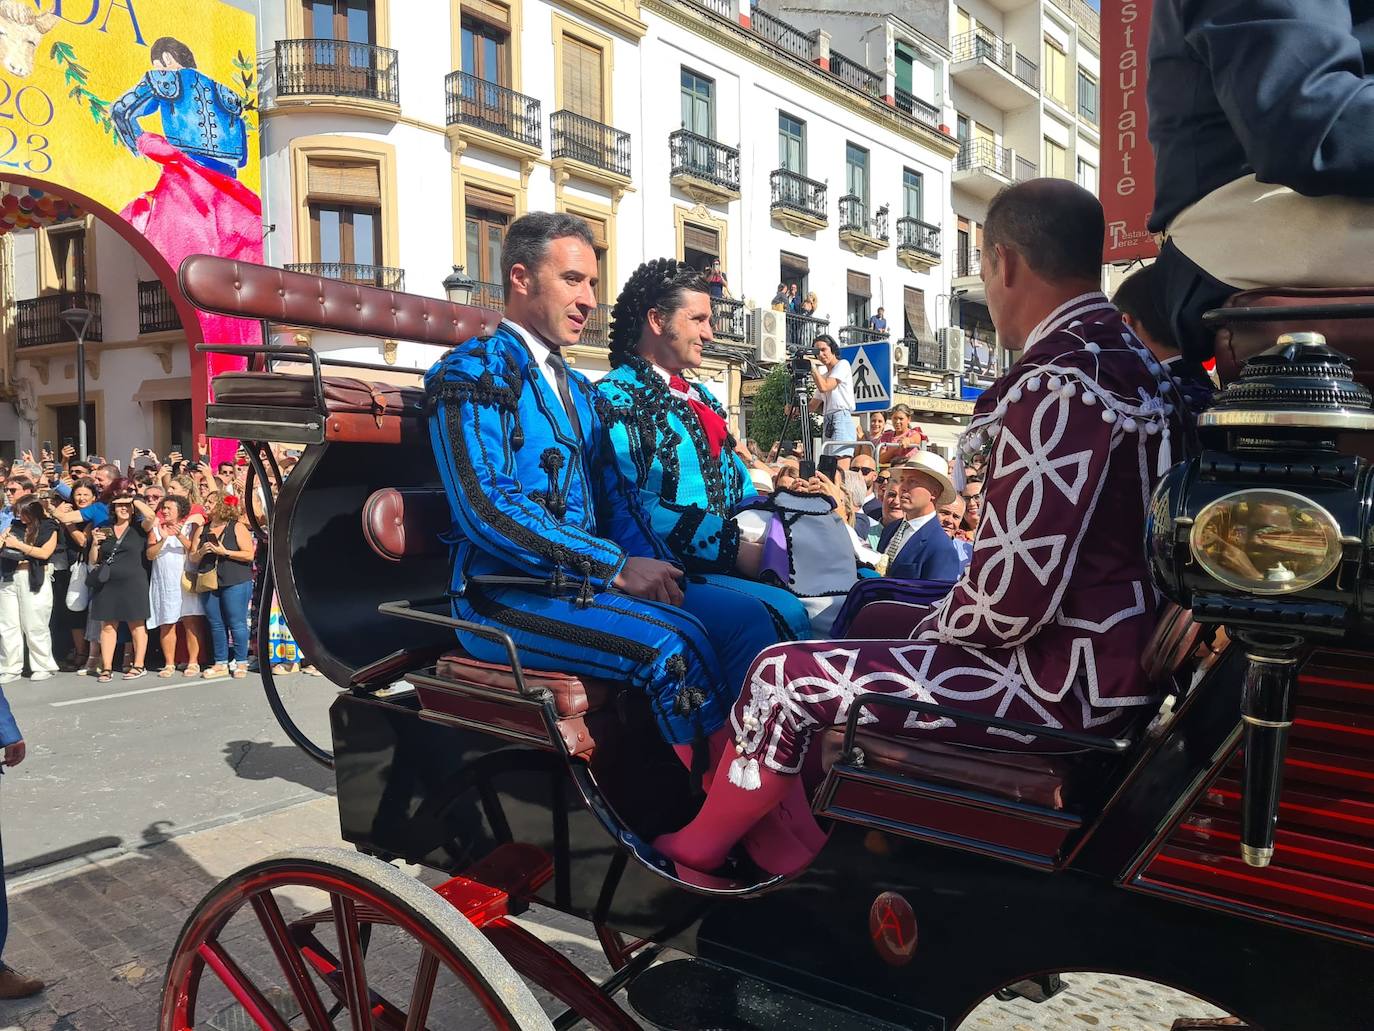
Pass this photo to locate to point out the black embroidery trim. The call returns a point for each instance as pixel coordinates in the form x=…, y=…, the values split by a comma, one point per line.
x=680, y=540
x=555, y=500
x=489, y=512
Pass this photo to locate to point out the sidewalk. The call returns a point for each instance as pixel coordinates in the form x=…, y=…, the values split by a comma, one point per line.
x=100, y=933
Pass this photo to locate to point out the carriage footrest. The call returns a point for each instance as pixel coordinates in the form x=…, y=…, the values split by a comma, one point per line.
x=694, y=995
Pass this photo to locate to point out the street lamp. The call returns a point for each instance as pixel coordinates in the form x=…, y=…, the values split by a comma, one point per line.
x=458, y=286
x=79, y=320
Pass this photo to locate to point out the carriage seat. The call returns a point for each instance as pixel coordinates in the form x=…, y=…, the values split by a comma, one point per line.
x=356, y=411
x=406, y=523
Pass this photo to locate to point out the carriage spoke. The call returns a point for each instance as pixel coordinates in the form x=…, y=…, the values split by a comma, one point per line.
x=351, y=962
x=243, y=990
x=293, y=967
x=423, y=992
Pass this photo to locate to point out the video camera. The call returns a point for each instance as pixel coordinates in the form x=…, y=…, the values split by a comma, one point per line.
x=799, y=363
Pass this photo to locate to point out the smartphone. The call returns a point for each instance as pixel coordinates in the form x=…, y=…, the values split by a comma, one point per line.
x=47, y=446
x=788, y=447
x=68, y=442
x=806, y=469
x=828, y=465
x=177, y=448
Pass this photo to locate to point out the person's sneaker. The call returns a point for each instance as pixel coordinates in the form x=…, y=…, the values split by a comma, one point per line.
x=40, y=676
x=8, y=678
x=14, y=985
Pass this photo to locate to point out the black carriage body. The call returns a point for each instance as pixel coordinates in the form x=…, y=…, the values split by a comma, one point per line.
x=929, y=896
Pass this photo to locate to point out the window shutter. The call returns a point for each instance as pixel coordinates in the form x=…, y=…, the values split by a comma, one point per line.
x=695, y=238
x=858, y=284
x=496, y=14
x=582, y=78
x=914, y=302
x=488, y=200
x=600, y=239
x=355, y=182
x=794, y=264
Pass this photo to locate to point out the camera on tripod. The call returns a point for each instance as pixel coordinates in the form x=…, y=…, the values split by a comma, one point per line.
x=799, y=363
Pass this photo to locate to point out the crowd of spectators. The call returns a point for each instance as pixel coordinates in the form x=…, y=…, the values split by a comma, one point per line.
x=109, y=569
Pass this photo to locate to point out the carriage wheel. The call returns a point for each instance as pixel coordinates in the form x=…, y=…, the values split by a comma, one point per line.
x=314, y=935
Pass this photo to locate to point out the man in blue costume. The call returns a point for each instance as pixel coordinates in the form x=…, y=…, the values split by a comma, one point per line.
x=671, y=442
x=200, y=117
x=518, y=441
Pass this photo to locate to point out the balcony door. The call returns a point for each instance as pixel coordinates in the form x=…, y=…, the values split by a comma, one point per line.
x=486, y=218
x=913, y=194
x=347, y=31
x=582, y=66
x=345, y=203
x=699, y=118
x=486, y=60
x=791, y=144
x=68, y=247
x=856, y=177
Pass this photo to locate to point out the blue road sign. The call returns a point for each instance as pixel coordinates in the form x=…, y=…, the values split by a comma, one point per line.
x=871, y=365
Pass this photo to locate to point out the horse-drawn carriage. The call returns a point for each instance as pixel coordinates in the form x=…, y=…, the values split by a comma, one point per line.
x=950, y=873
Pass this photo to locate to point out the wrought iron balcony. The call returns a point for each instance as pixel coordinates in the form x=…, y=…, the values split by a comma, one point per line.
x=798, y=203
x=727, y=319
x=918, y=243
x=489, y=295
x=856, y=74
x=702, y=168
x=917, y=108
x=156, y=312
x=338, y=68
x=495, y=109
x=724, y=8
x=977, y=155
x=597, y=330
x=994, y=69
x=850, y=335
x=968, y=263
x=363, y=275
x=781, y=34
x=860, y=232
x=802, y=330
x=1024, y=169
x=586, y=140
x=38, y=320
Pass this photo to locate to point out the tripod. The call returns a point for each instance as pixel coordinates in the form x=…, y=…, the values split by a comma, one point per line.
x=802, y=418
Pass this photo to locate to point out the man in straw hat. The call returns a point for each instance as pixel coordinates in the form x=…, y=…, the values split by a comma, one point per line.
x=1047, y=625
x=917, y=547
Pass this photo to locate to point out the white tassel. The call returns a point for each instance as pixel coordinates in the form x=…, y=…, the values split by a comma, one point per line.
x=1166, y=458
x=744, y=774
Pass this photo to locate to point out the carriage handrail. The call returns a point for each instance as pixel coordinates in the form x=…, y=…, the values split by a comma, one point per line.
x=1113, y=745
x=1281, y=313
x=409, y=610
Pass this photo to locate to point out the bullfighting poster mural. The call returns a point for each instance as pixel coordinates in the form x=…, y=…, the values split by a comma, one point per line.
x=143, y=112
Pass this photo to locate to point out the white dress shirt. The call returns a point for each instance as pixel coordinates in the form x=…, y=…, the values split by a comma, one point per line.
x=541, y=352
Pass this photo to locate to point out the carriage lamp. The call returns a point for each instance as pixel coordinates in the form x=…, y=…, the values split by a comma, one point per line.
x=458, y=286
x=1265, y=533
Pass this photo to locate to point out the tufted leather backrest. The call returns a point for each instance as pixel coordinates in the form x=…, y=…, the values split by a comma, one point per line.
x=249, y=291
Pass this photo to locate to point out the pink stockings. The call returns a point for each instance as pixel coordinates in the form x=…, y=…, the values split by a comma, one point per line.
x=774, y=821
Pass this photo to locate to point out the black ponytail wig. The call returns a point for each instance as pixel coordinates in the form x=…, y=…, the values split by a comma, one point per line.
x=660, y=283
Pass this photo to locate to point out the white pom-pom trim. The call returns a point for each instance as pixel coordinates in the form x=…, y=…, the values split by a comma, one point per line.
x=1014, y=395
x=1128, y=424
x=1108, y=415
x=1089, y=398
x=1092, y=348
x=1033, y=384
x=1067, y=391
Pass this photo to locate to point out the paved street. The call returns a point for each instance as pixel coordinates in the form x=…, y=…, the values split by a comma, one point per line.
x=119, y=785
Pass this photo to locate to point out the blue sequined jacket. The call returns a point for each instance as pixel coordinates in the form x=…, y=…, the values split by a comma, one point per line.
x=660, y=447
x=527, y=496
x=200, y=116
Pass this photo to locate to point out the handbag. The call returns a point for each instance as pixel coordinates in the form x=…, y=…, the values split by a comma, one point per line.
x=99, y=574
x=78, y=591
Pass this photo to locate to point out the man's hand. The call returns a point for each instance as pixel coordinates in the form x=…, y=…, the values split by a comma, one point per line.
x=651, y=579
x=14, y=754
x=749, y=559
x=68, y=452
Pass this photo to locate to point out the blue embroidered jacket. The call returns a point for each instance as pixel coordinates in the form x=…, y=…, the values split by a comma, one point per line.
x=660, y=446
x=528, y=497
x=200, y=117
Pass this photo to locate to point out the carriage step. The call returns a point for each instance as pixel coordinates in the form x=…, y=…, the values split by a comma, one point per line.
x=694, y=995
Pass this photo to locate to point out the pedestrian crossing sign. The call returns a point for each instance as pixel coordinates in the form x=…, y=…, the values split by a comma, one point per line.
x=871, y=366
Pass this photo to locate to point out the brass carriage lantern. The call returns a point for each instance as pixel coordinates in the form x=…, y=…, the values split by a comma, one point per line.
x=458, y=286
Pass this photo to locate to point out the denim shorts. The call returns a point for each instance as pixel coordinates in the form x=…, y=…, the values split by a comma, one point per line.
x=839, y=426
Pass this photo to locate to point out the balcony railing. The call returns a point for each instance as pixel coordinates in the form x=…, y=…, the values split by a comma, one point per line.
x=724, y=8
x=38, y=320
x=727, y=319
x=924, y=354
x=794, y=191
x=802, y=330
x=915, y=235
x=363, y=275
x=485, y=105
x=917, y=108
x=1024, y=169
x=583, y=139
x=983, y=154
x=980, y=45
x=854, y=218
x=156, y=312
x=336, y=67
x=968, y=263
x=597, y=330
x=856, y=74
x=780, y=34
x=703, y=158
x=489, y=295
x=850, y=335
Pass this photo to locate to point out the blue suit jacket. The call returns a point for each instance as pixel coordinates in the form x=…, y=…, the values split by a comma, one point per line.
x=928, y=554
x=9, y=730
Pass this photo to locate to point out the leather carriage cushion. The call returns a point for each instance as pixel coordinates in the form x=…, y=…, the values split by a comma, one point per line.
x=342, y=394
x=1043, y=780
x=572, y=695
x=401, y=524
x=1353, y=337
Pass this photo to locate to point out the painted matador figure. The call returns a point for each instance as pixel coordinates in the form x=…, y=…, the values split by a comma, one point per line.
x=690, y=484
x=1075, y=436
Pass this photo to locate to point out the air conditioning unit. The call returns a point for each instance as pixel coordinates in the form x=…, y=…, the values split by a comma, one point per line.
x=951, y=340
x=901, y=356
x=769, y=338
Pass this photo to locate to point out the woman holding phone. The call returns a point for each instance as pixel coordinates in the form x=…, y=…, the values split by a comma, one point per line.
x=26, y=592
x=119, y=570
x=226, y=544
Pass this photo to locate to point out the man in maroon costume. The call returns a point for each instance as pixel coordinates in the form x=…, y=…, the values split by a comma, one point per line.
x=1048, y=623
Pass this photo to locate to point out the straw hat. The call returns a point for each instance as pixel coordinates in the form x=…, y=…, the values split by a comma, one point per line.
x=933, y=466
x=762, y=479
